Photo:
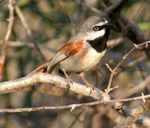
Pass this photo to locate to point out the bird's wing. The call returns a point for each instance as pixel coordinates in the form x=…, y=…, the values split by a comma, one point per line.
x=72, y=48
x=69, y=49
x=49, y=65
x=59, y=57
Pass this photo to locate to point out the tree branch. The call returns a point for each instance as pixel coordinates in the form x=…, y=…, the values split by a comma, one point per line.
x=7, y=36
x=71, y=106
x=30, y=80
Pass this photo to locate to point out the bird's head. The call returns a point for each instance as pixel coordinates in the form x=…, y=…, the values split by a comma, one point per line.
x=94, y=27
x=95, y=30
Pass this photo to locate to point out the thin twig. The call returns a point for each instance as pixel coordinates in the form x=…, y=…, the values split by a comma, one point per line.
x=114, y=70
x=28, y=31
x=42, y=108
x=11, y=18
x=138, y=88
x=75, y=120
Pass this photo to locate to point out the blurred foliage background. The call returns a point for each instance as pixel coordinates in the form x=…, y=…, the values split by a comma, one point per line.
x=53, y=22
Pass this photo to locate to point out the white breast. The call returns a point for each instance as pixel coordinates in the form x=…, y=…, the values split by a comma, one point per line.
x=83, y=61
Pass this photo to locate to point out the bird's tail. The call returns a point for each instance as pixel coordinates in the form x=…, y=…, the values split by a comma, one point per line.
x=50, y=65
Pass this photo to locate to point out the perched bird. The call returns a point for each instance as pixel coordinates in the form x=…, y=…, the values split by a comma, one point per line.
x=84, y=50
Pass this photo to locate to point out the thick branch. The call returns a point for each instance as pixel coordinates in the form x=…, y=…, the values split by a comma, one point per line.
x=30, y=80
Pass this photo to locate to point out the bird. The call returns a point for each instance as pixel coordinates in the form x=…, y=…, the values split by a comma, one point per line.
x=84, y=50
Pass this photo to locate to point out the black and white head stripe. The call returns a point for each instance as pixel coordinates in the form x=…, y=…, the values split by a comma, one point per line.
x=103, y=22
x=97, y=30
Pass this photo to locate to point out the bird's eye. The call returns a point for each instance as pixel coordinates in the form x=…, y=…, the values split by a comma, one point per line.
x=96, y=28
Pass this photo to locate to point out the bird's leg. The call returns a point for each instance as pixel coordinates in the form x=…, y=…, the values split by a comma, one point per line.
x=69, y=80
x=82, y=76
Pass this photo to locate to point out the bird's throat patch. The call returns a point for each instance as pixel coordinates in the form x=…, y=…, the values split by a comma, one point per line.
x=98, y=44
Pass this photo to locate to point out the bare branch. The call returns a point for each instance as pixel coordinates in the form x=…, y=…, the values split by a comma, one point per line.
x=28, y=31
x=138, y=88
x=34, y=109
x=114, y=42
x=10, y=20
x=7, y=36
x=30, y=80
x=114, y=70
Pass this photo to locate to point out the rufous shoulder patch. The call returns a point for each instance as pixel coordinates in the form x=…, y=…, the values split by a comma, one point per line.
x=71, y=48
